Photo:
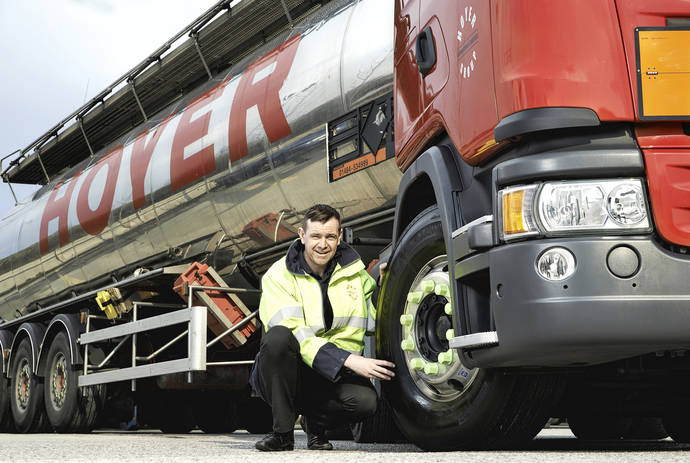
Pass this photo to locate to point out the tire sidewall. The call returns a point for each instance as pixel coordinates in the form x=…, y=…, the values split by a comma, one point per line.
x=24, y=420
x=61, y=418
x=429, y=424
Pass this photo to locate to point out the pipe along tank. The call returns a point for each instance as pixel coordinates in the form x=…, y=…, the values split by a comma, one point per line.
x=245, y=148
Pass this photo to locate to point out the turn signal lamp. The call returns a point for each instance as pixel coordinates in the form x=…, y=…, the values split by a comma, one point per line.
x=518, y=217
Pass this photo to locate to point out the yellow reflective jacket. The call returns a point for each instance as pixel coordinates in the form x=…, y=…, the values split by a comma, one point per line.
x=292, y=298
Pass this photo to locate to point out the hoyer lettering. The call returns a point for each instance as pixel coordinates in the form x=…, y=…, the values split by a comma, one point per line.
x=190, y=157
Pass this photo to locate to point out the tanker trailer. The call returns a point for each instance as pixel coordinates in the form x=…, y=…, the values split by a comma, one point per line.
x=187, y=177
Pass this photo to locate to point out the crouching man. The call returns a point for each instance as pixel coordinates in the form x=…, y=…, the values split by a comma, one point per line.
x=316, y=308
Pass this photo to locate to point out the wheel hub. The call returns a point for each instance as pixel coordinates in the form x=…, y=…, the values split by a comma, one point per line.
x=426, y=324
x=23, y=392
x=58, y=381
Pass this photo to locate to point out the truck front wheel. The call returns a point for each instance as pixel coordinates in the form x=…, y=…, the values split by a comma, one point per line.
x=438, y=403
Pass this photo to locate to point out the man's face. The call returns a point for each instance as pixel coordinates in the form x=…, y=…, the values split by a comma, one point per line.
x=320, y=241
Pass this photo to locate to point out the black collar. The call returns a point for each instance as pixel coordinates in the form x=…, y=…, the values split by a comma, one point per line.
x=295, y=263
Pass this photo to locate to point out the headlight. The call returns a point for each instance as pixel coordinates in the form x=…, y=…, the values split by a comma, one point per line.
x=559, y=208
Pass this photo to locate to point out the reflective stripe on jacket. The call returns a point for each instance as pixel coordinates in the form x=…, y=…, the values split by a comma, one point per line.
x=292, y=298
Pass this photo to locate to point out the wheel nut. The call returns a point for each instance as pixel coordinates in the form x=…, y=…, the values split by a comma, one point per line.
x=414, y=296
x=450, y=334
x=446, y=358
x=417, y=364
x=442, y=290
x=428, y=286
x=407, y=344
x=448, y=309
x=406, y=320
x=431, y=368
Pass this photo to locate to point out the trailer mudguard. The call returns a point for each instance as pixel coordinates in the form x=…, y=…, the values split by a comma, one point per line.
x=5, y=344
x=69, y=323
x=35, y=332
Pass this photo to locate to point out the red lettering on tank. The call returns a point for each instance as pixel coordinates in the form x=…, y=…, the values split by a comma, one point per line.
x=264, y=94
x=56, y=208
x=93, y=221
x=186, y=169
x=141, y=157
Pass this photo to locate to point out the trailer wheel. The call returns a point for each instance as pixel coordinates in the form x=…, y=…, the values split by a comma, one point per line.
x=216, y=413
x=256, y=416
x=598, y=427
x=69, y=408
x=648, y=428
x=446, y=405
x=6, y=423
x=678, y=428
x=26, y=389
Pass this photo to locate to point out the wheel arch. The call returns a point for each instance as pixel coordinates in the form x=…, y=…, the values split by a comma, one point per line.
x=431, y=179
x=35, y=333
x=68, y=323
x=5, y=345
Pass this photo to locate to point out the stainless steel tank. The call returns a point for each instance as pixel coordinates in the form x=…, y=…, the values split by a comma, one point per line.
x=340, y=62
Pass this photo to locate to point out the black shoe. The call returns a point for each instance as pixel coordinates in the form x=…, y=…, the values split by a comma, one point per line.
x=276, y=441
x=316, y=436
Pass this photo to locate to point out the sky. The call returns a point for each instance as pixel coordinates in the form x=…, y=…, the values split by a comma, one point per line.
x=55, y=55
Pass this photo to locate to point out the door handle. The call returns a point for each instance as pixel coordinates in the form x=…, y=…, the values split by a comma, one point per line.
x=426, y=51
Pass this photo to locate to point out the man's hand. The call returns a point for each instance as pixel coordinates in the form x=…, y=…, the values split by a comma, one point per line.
x=370, y=368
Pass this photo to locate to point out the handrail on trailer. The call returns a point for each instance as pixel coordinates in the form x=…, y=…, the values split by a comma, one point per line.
x=197, y=345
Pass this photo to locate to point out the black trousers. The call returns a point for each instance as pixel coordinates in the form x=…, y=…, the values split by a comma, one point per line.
x=291, y=387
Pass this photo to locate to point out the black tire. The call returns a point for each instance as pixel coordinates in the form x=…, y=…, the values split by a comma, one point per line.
x=255, y=416
x=6, y=421
x=598, y=427
x=646, y=428
x=216, y=413
x=26, y=393
x=678, y=428
x=493, y=410
x=379, y=428
x=69, y=408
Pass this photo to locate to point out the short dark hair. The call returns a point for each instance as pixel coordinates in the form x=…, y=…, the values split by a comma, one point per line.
x=320, y=213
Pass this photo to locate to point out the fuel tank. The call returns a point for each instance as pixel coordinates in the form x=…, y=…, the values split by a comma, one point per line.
x=232, y=165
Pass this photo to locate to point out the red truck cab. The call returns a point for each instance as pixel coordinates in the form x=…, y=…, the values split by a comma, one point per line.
x=546, y=152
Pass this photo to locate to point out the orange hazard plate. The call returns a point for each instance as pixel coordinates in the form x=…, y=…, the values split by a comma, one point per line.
x=663, y=72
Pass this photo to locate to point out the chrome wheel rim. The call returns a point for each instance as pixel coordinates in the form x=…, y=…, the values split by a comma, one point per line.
x=23, y=385
x=436, y=370
x=58, y=381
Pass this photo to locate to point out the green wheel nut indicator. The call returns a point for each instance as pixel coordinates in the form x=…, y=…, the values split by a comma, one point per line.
x=407, y=344
x=431, y=369
x=446, y=358
x=428, y=286
x=406, y=320
x=417, y=364
x=414, y=296
x=450, y=334
x=448, y=309
x=442, y=290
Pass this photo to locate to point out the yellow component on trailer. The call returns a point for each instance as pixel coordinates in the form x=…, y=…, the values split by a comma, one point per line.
x=111, y=303
x=104, y=301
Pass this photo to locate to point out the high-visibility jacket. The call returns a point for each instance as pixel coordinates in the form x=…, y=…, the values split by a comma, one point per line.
x=292, y=298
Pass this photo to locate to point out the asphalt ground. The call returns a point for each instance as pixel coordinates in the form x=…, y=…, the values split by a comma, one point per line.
x=555, y=444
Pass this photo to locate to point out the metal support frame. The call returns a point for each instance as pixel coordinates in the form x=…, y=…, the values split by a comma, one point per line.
x=234, y=327
x=80, y=121
x=195, y=317
x=7, y=180
x=130, y=82
x=287, y=13
x=40, y=161
x=195, y=36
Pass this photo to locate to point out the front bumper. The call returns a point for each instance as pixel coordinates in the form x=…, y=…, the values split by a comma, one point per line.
x=591, y=317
